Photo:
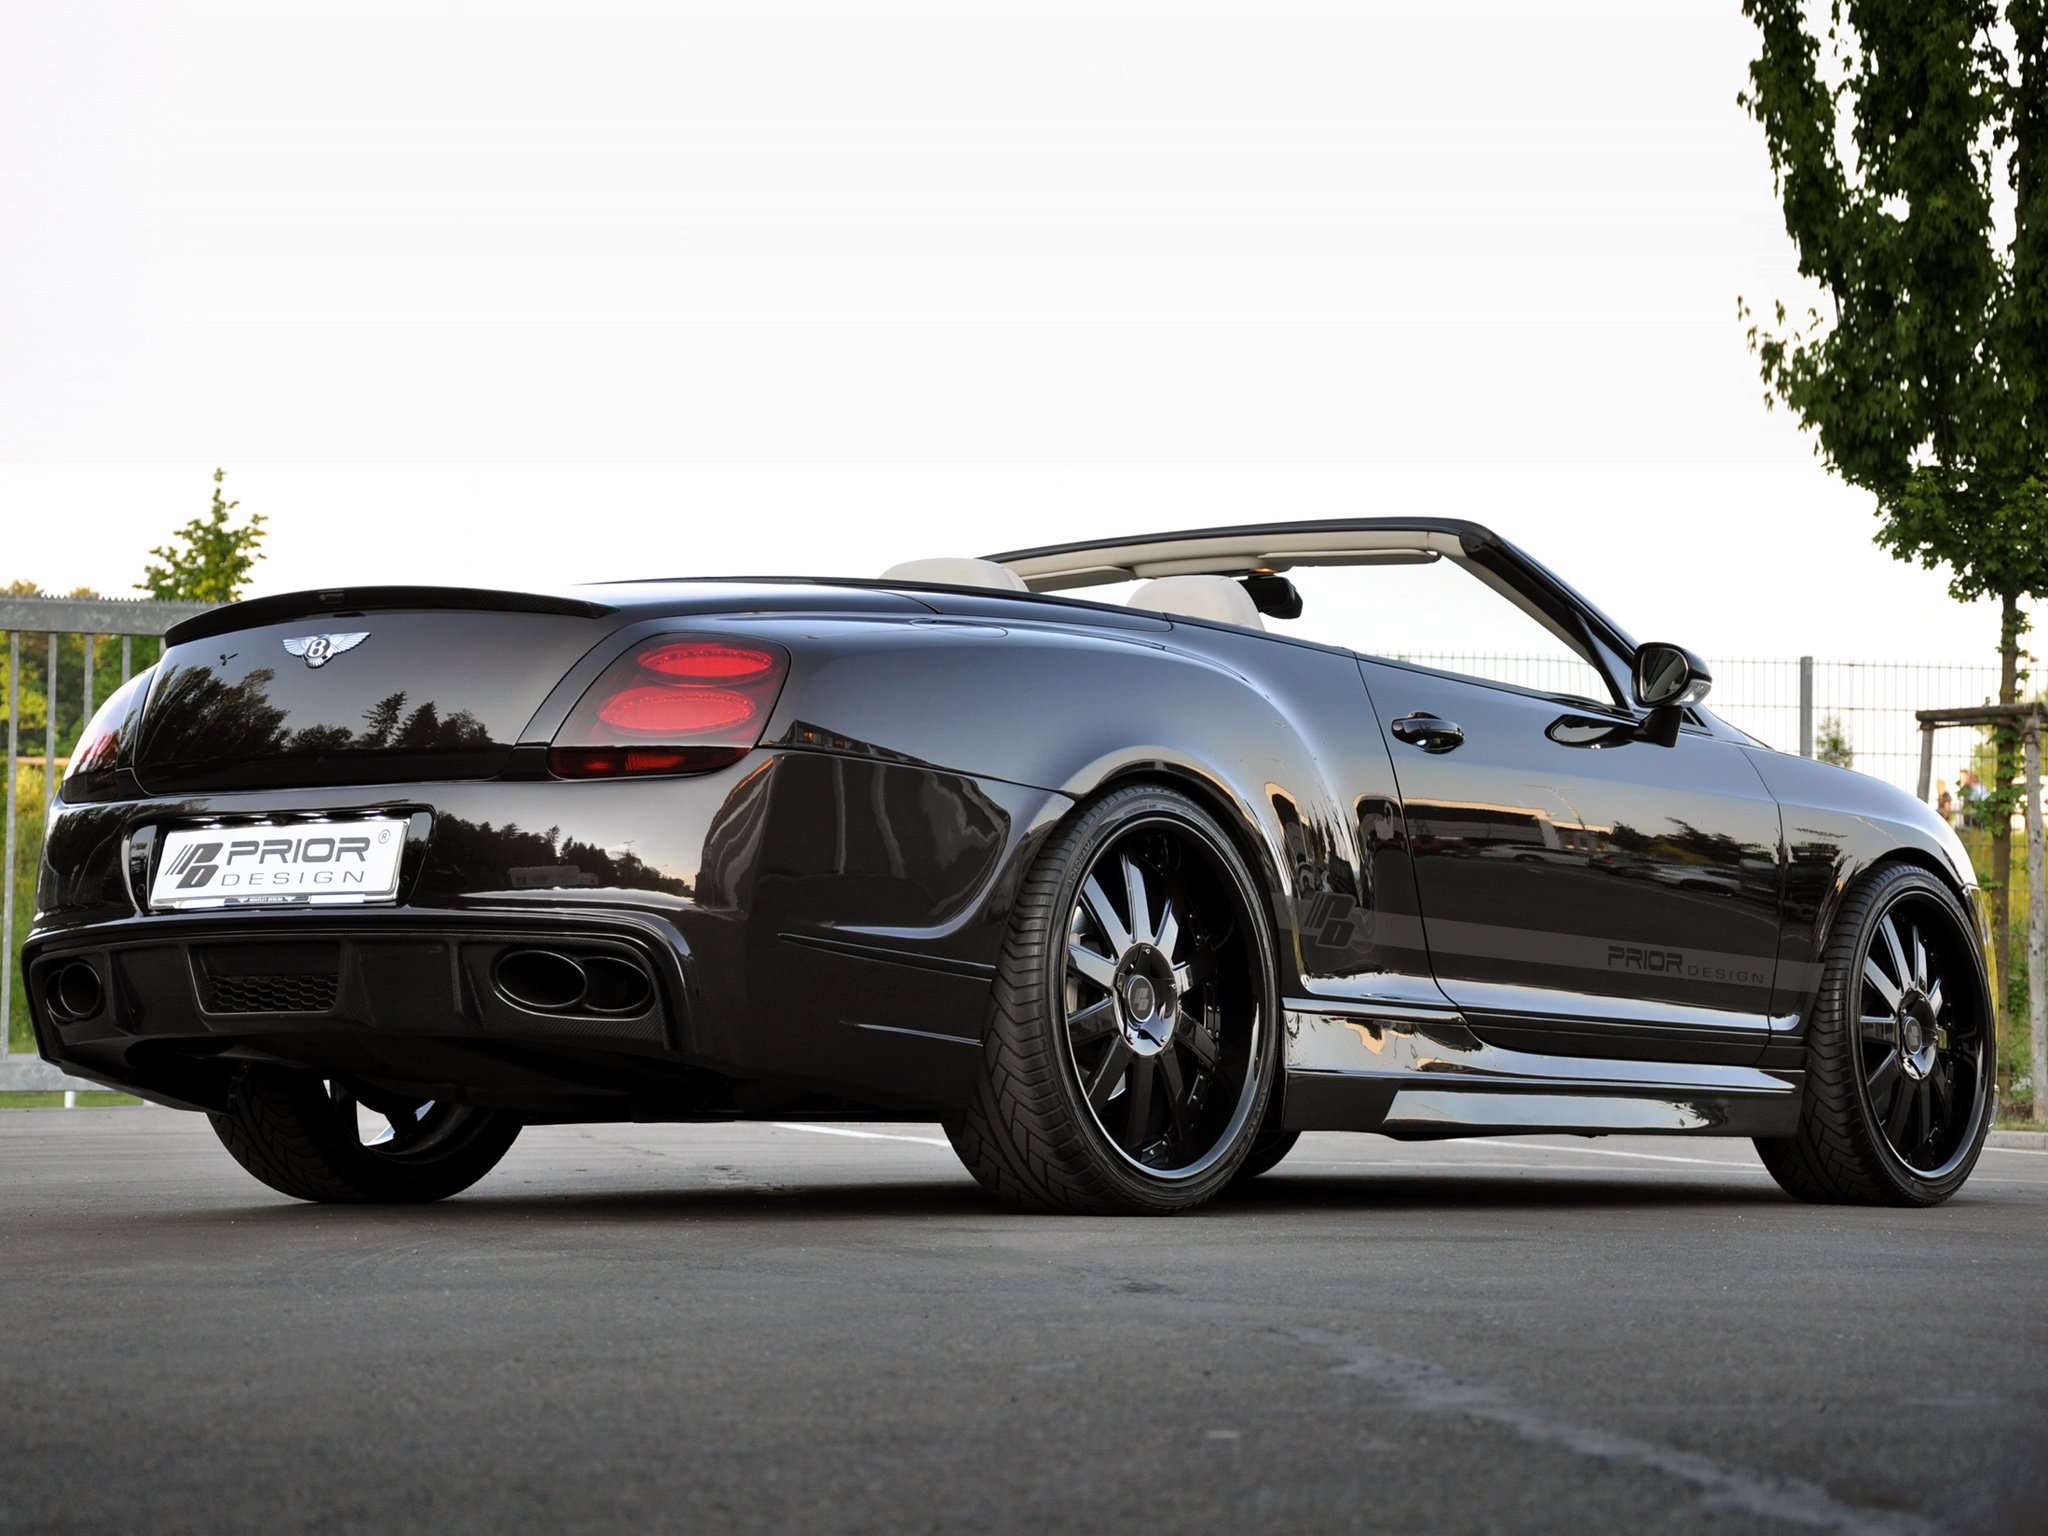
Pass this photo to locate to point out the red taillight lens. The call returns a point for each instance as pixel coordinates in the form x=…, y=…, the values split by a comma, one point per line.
x=679, y=704
x=708, y=661
x=671, y=712
x=611, y=762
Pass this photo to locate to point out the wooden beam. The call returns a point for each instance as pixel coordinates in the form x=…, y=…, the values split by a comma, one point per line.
x=1984, y=714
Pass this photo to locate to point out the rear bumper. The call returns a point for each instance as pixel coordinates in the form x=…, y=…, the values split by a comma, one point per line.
x=806, y=930
x=171, y=1007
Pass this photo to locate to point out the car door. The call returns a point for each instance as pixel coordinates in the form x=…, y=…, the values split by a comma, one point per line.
x=1584, y=891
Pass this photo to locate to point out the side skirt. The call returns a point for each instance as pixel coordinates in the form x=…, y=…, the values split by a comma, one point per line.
x=1420, y=1073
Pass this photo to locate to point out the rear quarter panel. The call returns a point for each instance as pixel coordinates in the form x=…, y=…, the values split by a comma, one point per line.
x=1278, y=739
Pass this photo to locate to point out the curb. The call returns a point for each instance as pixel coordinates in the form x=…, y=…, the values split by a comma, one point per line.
x=31, y=1074
x=2019, y=1141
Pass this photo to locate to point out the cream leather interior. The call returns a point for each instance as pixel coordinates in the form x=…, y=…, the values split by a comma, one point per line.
x=1199, y=597
x=951, y=572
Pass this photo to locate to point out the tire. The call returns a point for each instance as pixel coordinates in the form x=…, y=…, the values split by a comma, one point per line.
x=1268, y=1148
x=298, y=1134
x=1134, y=1026
x=1901, y=1077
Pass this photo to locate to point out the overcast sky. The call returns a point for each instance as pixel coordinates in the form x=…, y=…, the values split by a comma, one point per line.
x=524, y=295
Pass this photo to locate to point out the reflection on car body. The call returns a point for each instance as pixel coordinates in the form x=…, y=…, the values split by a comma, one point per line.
x=1127, y=894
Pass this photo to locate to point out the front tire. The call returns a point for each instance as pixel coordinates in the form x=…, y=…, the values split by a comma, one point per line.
x=1133, y=1033
x=301, y=1135
x=1900, y=1075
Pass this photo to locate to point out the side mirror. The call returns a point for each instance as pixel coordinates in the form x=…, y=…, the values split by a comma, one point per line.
x=1670, y=677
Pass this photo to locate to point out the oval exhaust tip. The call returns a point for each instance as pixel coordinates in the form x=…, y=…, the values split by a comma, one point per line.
x=616, y=986
x=540, y=980
x=74, y=991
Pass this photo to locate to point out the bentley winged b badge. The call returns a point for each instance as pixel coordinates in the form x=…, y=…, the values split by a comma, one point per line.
x=318, y=650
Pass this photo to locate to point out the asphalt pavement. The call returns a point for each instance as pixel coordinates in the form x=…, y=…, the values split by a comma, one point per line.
x=762, y=1328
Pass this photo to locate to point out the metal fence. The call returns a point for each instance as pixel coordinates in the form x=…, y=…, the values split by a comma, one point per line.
x=1791, y=702
x=64, y=655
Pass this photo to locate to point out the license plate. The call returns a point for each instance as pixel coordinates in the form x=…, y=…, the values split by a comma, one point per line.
x=290, y=864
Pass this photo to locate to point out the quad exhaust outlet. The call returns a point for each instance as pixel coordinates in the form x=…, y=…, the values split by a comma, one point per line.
x=551, y=981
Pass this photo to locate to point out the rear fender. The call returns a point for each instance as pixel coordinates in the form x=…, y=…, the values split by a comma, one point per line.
x=1076, y=712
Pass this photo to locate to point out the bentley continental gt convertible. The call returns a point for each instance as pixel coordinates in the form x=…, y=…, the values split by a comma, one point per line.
x=1128, y=861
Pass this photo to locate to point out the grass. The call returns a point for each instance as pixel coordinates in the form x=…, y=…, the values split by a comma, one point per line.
x=28, y=845
x=87, y=1100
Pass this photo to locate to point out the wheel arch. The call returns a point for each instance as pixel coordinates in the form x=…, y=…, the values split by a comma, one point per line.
x=1838, y=827
x=1252, y=840
x=1967, y=897
x=1893, y=858
x=1920, y=858
x=1852, y=875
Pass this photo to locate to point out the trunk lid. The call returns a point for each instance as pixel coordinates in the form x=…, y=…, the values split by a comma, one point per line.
x=422, y=685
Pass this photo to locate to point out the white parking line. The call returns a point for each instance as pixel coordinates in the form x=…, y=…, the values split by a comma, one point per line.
x=1462, y=1165
x=1731, y=1165
x=837, y=1130
x=1655, y=1157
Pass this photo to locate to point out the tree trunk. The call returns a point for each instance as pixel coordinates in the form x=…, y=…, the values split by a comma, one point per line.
x=1999, y=802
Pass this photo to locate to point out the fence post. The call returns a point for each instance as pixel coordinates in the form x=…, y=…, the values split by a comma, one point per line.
x=52, y=618
x=2037, y=924
x=7, y=894
x=1806, y=706
x=50, y=727
x=1926, y=759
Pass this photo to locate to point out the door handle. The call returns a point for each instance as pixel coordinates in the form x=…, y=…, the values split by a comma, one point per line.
x=1424, y=730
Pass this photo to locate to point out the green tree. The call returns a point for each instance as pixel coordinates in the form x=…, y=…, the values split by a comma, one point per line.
x=1831, y=743
x=1921, y=367
x=209, y=559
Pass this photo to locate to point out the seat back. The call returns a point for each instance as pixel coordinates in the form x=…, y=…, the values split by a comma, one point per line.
x=956, y=572
x=1199, y=597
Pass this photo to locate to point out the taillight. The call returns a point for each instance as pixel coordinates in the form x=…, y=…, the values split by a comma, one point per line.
x=90, y=773
x=673, y=711
x=677, y=704
x=708, y=661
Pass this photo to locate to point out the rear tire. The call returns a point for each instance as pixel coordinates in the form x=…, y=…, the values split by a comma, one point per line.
x=1133, y=1036
x=299, y=1134
x=1900, y=1057
x=1266, y=1153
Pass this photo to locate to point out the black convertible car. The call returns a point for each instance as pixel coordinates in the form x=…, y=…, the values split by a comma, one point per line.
x=1127, y=861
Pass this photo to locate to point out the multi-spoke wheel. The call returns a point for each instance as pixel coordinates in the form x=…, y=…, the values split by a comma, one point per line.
x=1131, y=1044
x=1900, y=1077
x=321, y=1139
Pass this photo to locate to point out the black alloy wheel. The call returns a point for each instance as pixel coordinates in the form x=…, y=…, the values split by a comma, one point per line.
x=322, y=1139
x=1132, y=1044
x=1901, y=1078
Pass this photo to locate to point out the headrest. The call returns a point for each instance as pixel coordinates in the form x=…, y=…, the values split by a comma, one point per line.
x=1198, y=597
x=948, y=572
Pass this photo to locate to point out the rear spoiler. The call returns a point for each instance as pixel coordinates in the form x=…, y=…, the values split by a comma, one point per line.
x=296, y=605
